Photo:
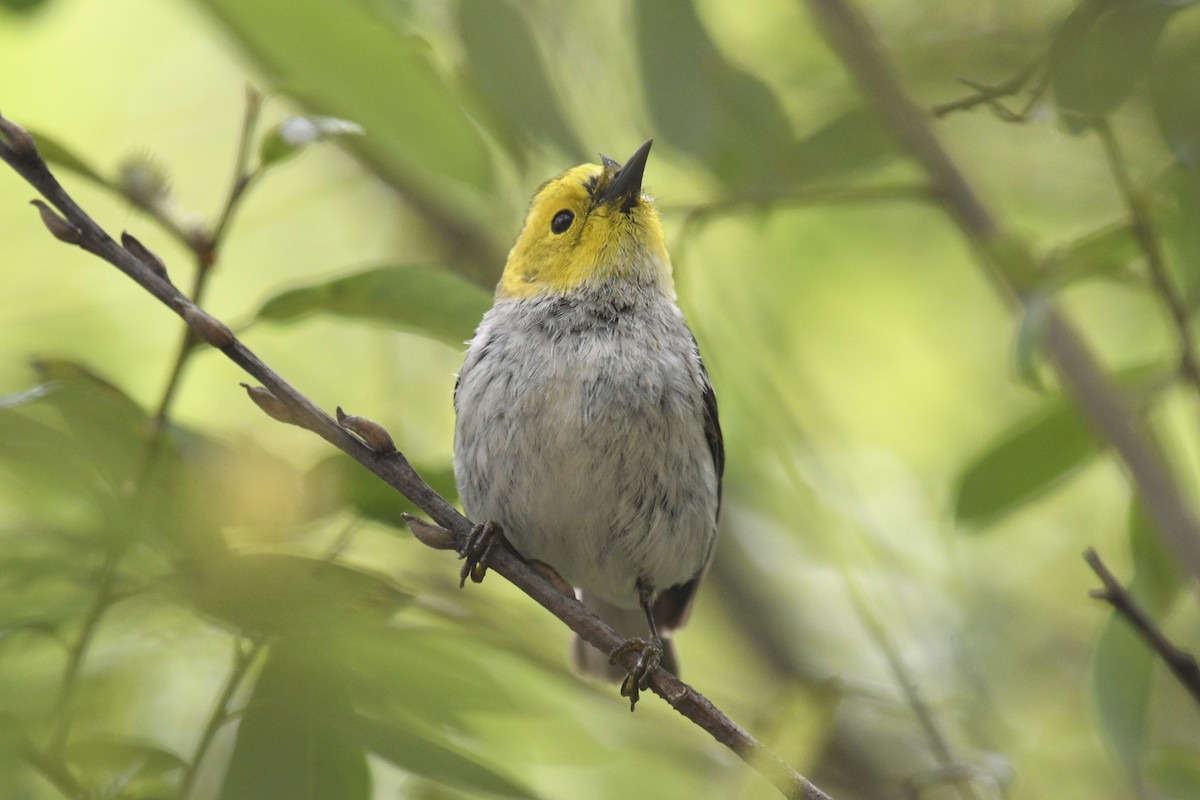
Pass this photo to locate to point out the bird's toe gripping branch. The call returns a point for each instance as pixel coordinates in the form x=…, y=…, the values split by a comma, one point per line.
x=475, y=551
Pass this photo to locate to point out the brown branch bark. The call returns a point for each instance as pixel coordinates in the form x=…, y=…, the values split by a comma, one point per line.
x=17, y=149
x=1181, y=663
x=851, y=38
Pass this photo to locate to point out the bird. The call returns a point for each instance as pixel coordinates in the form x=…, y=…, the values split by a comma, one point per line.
x=586, y=427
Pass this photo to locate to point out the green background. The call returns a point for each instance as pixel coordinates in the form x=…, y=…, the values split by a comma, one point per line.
x=906, y=496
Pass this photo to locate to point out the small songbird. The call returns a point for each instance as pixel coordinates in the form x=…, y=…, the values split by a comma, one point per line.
x=586, y=423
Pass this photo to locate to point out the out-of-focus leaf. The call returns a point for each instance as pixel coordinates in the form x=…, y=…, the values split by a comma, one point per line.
x=38, y=457
x=103, y=758
x=1029, y=459
x=1174, y=79
x=1175, y=772
x=55, y=152
x=446, y=674
x=1031, y=335
x=273, y=593
x=338, y=481
x=1122, y=691
x=503, y=63
x=425, y=300
x=111, y=430
x=343, y=60
x=1181, y=234
x=1100, y=253
x=1157, y=579
x=22, y=6
x=726, y=118
x=1038, y=453
x=851, y=142
x=423, y=751
x=297, y=738
x=295, y=133
x=1101, y=52
x=340, y=60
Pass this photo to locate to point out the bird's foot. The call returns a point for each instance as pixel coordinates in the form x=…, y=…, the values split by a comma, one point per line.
x=475, y=551
x=650, y=653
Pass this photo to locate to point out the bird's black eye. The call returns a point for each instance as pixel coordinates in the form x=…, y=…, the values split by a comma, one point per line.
x=562, y=220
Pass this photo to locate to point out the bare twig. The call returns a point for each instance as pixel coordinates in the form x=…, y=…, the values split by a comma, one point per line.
x=395, y=470
x=53, y=770
x=243, y=659
x=853, y=40
x=1182, y=664
x=951, y=769
x=1147, y=239
x=78, y=650
x=991, y=95
x=207, y=245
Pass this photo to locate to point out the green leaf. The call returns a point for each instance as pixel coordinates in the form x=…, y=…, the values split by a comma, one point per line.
x=1123, y=676
x=726, y=118
x=1175, y=771
x=275, y=593
x=110, y=429
x=297, y=738
x=1181, y=234
x=55, y=152
x=341, y=60
x=1100, y=54
x=425, y=300
x=1174, y=79
x=1029, y=459
x=1040, y=451
x=105, y=758
x=337, y=481
x=1030, y=338
x=851, y=142
x=1099, y=253
x=423, y=751
x=22, y=6
x=293, y=134
x=503, y=63
x=1157, y=578
x=344, y=60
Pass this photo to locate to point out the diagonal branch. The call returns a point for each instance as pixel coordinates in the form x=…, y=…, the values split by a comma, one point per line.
x=18, y=150
x=853, y=40
x=1182, y=664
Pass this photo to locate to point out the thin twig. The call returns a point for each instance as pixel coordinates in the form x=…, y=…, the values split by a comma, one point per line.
x=207, y=246
x=990, y=95
x=1148, y=241
x=54, y=771
x=77, y=653
x=242, y=661
x=852, y=39
x=951, y=769
x=1182, y=664
x=395, y=470
x=243, y=176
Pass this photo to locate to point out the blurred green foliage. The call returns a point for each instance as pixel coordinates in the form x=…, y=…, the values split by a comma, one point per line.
x=203, y=603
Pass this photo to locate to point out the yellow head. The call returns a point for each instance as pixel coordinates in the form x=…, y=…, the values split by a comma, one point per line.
x=589, y=226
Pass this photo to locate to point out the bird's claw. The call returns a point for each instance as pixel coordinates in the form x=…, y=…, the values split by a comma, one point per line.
x=475, y=551
x=650, y=652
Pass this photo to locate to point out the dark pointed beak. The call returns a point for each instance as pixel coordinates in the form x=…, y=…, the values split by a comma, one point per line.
x=627, y=186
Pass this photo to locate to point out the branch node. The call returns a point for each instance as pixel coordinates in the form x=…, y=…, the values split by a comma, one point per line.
x=61, y=229
x=17, y=139
x=429, y=534
x=207, y=327
x=372, y=434
x=274, y=408
x=145, y=255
